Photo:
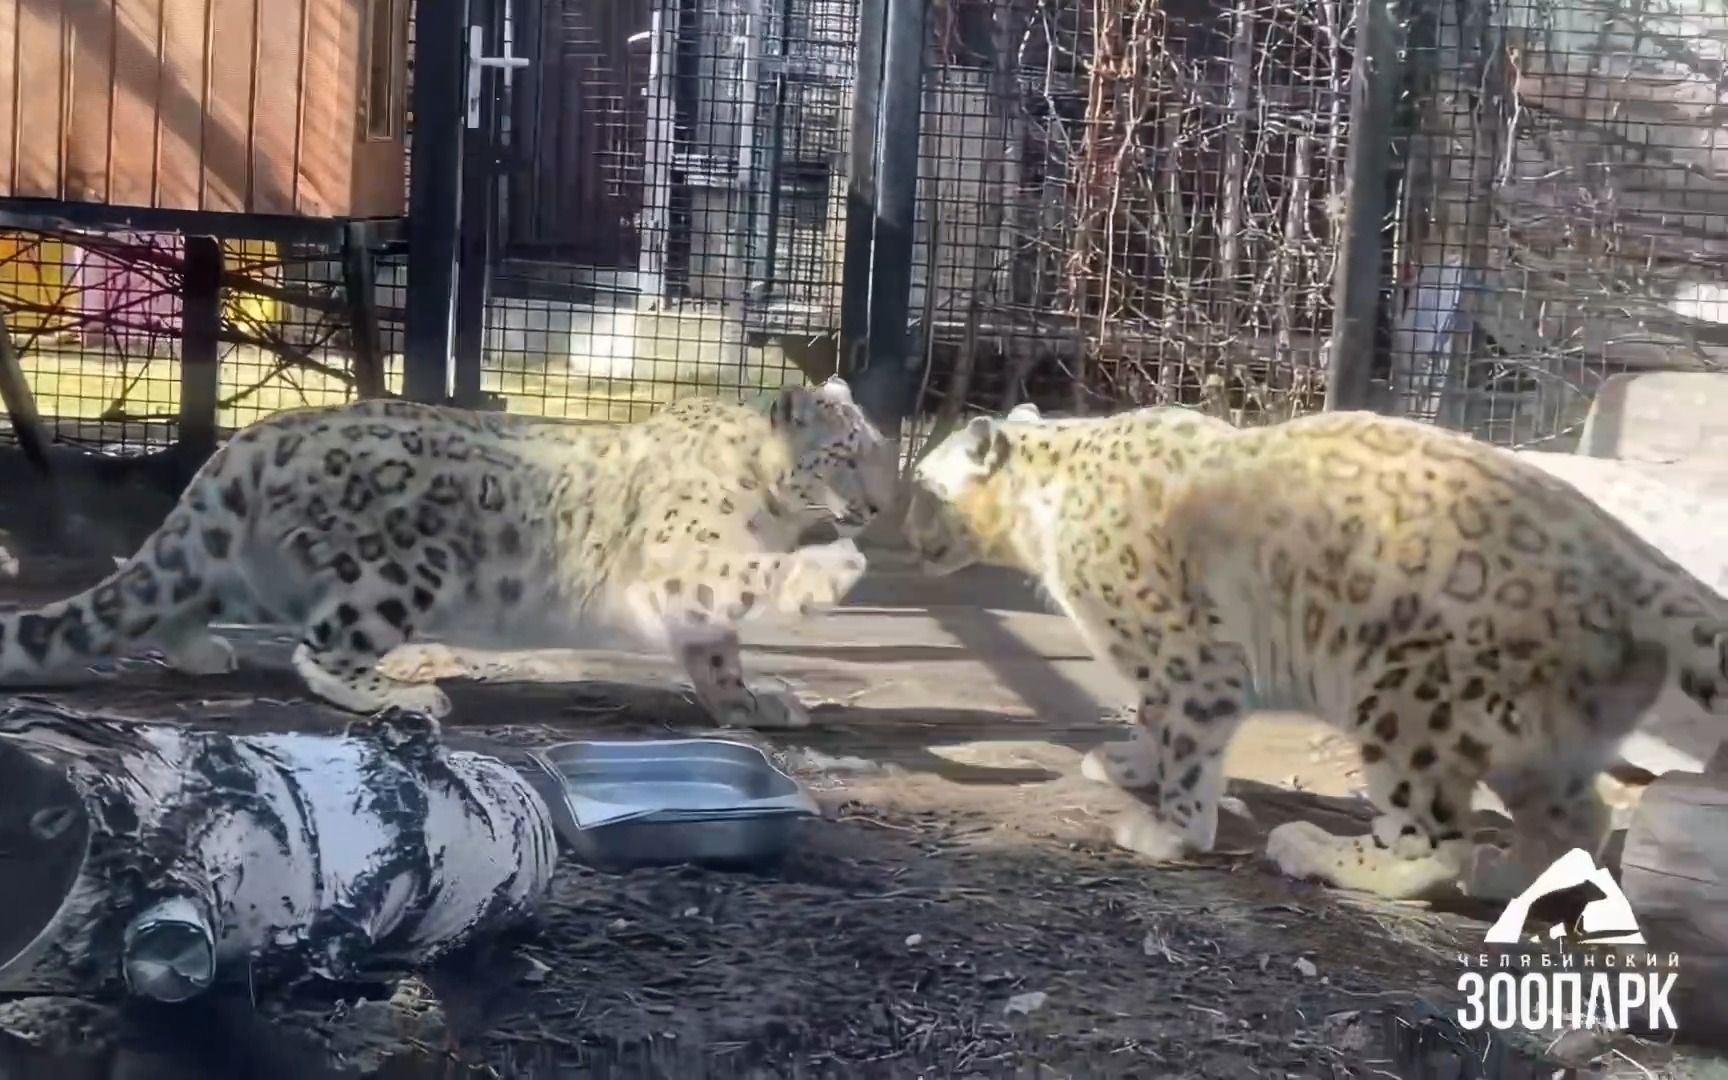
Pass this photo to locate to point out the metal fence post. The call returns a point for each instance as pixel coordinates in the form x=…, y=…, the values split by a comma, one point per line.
x=200, y=351
x=1357, y=286
x=474, y=245
x=434, y=198
x=861, y=187
x=885, y=389
x=360, y=290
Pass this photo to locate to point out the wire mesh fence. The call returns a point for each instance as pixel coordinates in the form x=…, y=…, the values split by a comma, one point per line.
x=1119, y=202
x=672, y=219
x=1564, y=208
x=95, y=317
x=1128, y=202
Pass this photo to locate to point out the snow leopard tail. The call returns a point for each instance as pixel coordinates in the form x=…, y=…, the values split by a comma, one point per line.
x=1690, y=623
x=1699, y=645
x=163, y=582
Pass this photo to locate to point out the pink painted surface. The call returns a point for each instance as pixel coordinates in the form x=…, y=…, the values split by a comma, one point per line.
x=125, y=303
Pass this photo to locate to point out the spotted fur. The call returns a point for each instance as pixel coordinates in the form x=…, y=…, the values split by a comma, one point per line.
x=1465, y=616
x=367, y=525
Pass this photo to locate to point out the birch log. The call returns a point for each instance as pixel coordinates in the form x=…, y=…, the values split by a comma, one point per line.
x=158, y=860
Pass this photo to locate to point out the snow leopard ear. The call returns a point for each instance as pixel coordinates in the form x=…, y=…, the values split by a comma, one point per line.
x=836, y=389
x=1024, y=411
x=799, y=405
x=985, y=444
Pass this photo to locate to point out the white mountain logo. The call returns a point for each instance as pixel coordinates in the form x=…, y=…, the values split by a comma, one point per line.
x=1607, y=920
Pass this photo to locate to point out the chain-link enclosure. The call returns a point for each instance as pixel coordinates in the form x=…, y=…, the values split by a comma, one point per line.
x=1131, y=202
x=96, y=319
x=1563, y=208
x=671, y=218
x=1118, y=202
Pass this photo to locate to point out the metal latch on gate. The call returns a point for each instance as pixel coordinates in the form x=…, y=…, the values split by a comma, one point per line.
x=477, y=60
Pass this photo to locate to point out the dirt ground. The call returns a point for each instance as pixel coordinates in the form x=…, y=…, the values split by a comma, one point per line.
x=956, y=911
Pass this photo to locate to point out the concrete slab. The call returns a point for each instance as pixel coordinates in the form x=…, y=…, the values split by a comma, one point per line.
x=1659, y=416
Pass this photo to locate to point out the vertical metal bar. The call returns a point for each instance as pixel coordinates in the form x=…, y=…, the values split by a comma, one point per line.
x=989, y=246
x=885, y=389
x=1374, y=87
x=360, y=287
x=776, y=151
x=479, y=201
x=21, y=405
x=861, y=185
x=1459, y=408
x=473, y=277
x=200, y=336
x=1238, y=95
x=435, y=198
x=742, y=198
x=657, y=161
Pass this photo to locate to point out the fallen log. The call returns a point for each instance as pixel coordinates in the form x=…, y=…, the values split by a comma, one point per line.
x=156, y=860
x=1674, y=873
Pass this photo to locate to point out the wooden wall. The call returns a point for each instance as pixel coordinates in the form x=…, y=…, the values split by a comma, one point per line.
x=252, y=106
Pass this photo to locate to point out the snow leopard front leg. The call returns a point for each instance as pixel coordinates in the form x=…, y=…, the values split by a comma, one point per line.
x=1194, y=694
x=694, y=612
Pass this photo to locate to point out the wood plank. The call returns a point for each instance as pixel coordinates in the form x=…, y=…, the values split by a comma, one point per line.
x=180, y=170
x=138, y=74
x=8, y=88
x=90, y=26
x=41, y=81
x=376, y=189
x=228, y=113
x=222, y=105
x=331, y=107
x=276, y=108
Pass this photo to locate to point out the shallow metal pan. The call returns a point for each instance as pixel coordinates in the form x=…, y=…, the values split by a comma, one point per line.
x=668, y=801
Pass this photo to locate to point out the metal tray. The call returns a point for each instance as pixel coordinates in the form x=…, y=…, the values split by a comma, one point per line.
x=739, y=842
x=669, y=801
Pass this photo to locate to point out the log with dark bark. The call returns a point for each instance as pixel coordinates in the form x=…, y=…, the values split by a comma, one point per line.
x=1674, y=872
x=157, y=860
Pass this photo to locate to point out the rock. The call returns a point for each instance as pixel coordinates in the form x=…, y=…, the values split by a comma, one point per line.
x=1025, y=1004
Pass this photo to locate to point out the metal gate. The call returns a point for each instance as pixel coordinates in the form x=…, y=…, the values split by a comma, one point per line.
x=658, y=197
